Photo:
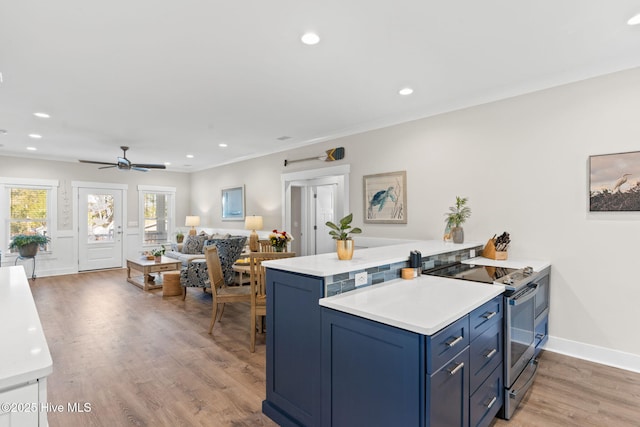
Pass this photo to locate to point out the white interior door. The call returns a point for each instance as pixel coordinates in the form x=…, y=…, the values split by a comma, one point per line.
x=100, y=228
x=324, y=210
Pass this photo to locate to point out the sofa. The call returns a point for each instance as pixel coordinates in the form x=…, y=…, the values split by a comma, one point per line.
x=194, y=271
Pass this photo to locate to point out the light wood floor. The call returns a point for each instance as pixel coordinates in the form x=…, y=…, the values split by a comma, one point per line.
x=143, y=360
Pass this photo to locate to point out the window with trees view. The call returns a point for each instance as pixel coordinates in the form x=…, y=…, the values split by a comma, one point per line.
x=27, y=207
x=157, y=208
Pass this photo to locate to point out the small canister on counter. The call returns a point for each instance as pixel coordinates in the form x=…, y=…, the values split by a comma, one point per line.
x=415, y=262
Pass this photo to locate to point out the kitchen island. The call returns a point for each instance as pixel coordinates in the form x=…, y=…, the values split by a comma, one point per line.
x=294, y=318
x=25, y=361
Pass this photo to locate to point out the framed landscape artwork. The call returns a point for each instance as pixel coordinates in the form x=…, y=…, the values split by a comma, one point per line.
x=614, y=182
x=385, y=198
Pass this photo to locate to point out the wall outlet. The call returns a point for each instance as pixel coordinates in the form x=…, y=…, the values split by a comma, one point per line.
x=472, y=253
x=361, y=279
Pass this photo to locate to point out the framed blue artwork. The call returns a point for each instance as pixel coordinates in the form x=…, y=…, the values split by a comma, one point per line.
x=385, y=198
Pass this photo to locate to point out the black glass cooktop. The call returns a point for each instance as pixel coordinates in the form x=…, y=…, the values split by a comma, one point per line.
x=476, y=273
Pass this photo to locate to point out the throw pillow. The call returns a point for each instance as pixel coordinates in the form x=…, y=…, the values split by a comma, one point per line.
x=193, y=244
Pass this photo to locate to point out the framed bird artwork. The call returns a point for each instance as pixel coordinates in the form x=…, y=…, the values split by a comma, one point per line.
x=614, y=182
x=385, y=198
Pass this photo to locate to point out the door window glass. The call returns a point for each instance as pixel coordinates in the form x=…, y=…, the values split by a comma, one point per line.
x=100, y=209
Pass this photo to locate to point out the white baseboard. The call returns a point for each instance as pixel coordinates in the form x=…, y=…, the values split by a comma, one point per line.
x=593, y=353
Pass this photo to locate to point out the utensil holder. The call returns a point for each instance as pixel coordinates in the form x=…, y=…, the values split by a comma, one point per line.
x=489, y=251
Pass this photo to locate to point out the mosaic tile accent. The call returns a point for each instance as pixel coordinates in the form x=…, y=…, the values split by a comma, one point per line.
x=345, y=282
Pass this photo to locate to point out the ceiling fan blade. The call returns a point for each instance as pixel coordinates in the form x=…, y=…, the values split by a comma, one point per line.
x=98, y=163
x=139, y=169
x=148, y=166
x=107, y=167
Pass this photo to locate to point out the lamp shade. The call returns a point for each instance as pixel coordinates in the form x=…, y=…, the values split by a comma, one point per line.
x=253, y=222
x=192, y=221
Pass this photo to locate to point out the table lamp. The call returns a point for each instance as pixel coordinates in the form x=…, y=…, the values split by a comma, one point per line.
x=193, y=222
x=253, y=223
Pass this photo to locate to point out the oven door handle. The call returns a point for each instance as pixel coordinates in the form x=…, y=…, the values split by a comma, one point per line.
x=533, y=290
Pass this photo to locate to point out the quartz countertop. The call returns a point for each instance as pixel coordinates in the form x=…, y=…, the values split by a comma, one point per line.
x=328, y=264
x=423, y=305
x=25, y=354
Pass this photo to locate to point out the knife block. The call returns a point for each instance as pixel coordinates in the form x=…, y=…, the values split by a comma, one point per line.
x=489, y=251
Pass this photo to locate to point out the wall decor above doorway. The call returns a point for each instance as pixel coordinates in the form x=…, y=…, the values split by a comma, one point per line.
x=385, y=198
x=614, y=182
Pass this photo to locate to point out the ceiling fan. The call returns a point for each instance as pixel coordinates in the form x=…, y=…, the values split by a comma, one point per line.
x=125, y=164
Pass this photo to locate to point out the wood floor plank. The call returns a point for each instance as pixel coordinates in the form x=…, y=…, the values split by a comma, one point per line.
x=143, y=360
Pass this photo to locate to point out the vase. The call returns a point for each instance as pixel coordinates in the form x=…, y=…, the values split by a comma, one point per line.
x=457, y=234
x=29, y=250
x=278, y=248
x=158, y=258
x=344, y=248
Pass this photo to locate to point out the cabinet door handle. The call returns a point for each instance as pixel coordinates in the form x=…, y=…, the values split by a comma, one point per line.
x=456, y=368
x=490, y=354
x=454, y=341
x=490, y=404
x=489, y=315
x=539, y=336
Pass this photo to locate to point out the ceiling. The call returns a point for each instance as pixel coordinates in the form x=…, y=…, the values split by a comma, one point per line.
x=174, y=78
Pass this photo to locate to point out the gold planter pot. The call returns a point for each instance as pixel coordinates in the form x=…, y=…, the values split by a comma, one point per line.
x=344, y=249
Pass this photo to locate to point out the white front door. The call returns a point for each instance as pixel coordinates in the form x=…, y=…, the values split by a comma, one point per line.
x=100, y=228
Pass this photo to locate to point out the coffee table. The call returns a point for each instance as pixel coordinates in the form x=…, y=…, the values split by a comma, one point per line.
x=146, y=267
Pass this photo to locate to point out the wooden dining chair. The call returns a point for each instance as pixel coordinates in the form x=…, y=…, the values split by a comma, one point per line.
x=221, y=293
x=258, y=287
x=265, y=246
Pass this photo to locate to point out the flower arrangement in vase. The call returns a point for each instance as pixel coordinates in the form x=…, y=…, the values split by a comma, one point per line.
x=279, y=240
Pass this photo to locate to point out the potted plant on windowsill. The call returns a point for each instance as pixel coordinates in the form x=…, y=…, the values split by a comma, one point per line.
x=457, y=216
x=340, y=233
x=28, y=244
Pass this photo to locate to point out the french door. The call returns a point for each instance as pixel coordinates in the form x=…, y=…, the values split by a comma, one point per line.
x=99, y=228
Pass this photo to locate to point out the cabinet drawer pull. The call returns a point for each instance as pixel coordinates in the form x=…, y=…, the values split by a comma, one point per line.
x=489, y=315
x=490, y=354
x=454, y=341
x=490, y=404
x=456, y=369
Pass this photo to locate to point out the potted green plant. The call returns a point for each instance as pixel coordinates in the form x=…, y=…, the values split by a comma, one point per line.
x=157, y=253
x=341, y=234
x=457, y=216
x=28, y=244
x=179, y=236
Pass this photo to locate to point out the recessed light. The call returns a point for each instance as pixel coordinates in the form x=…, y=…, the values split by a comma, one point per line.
x=310, y=39
x=31, y=148
x=223, y=145
x=42, y=115
x=35, y=136
x=405, y=91
x=167, y=163
x=635, y=20
x=190, y=156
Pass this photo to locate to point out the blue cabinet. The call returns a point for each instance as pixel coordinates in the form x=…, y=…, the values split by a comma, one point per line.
x=372, y=374
x=293, y=348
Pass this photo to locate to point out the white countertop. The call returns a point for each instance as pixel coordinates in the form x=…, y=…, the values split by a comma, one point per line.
x=328, y=264
x=25, y=354
x=423, y=305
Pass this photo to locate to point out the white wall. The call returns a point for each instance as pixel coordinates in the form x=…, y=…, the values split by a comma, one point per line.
x=523, y=163
x=64, y=261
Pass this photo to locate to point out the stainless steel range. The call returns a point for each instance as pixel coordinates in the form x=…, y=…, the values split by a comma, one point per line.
x=521, y=286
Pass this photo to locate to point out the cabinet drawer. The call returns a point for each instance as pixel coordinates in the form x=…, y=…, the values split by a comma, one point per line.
x=485, y=316
x=165, y=267
x=445, y=344
x=485, y=354
x=487, y=400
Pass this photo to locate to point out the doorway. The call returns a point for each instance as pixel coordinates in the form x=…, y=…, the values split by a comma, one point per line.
x=100, y=238
x=311, y=198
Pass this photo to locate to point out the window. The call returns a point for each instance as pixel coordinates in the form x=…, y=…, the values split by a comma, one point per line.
x=157, y=207
x=28, y=207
